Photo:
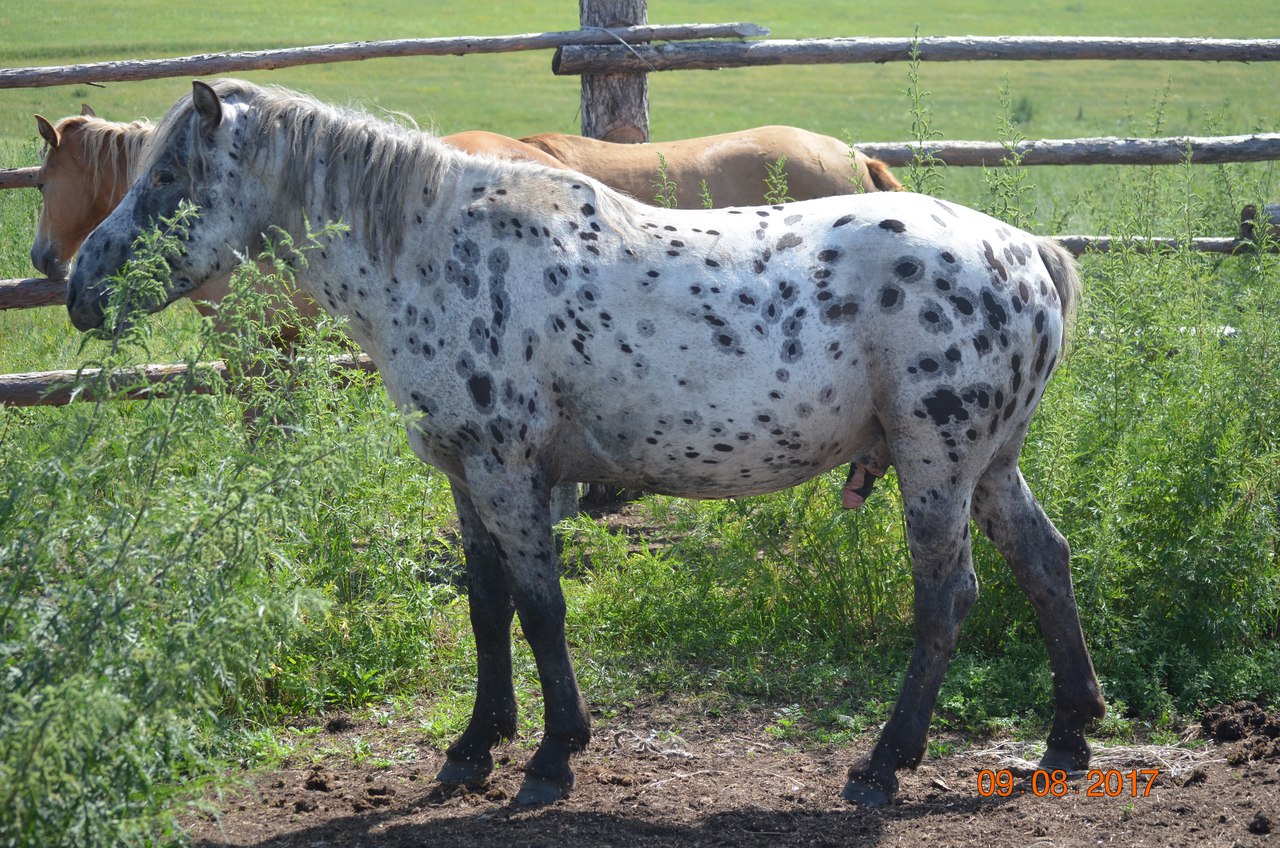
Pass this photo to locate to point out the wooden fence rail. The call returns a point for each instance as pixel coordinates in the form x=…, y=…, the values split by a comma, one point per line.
x=18, y=177
x=266, y=60
x=57, y=388
x=29, y=293
x=1200, y=150
x=594, y=59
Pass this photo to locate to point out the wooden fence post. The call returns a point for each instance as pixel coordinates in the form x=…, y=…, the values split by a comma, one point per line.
x=615, y=107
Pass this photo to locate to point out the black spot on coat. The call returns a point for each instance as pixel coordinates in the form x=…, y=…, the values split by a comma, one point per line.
x=944, y=406
x=481, y=388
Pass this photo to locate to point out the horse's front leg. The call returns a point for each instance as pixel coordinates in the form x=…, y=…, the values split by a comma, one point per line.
x=494, y=716
x=515, y=508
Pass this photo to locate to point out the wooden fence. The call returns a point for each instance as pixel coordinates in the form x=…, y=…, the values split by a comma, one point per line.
x=614, y=61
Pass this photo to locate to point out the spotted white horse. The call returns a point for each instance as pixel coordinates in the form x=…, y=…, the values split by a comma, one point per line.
x=548, y=329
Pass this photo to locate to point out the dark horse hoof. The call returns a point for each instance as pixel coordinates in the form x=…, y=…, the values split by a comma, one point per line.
x=866, y=794
x=866, y=791
x=465, y=772
x=1054, y=760
x=538, y=790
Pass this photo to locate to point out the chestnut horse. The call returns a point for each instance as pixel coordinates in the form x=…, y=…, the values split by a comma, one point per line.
x=733, y=164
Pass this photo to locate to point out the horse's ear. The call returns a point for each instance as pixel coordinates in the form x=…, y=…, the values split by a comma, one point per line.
x=47, y=132
x=87, y=111
x=207, y=104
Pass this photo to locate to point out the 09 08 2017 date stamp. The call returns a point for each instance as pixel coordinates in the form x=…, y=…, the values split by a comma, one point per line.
x=1098, y=783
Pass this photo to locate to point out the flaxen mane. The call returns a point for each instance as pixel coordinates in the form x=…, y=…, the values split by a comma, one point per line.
x=114, y=147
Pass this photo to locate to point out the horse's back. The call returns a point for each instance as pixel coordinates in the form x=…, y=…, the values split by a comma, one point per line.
x=734, y=165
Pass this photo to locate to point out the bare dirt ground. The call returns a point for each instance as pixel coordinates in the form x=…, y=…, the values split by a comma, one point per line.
x=726, y=781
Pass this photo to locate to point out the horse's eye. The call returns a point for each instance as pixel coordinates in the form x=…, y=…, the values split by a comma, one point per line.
x=164, y=178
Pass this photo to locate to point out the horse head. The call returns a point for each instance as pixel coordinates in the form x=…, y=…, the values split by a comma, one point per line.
x=83, y=175
x=190, y=158
x=68, y=212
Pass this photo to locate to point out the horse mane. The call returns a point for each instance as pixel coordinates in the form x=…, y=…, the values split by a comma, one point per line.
x=112, y=149
x=370, y=164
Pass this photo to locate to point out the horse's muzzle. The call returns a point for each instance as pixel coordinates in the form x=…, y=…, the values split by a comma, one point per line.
x=84, y=303
x=45, y=259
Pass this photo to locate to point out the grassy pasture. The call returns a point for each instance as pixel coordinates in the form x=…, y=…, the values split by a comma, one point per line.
x=516, y=94
x=208, y=579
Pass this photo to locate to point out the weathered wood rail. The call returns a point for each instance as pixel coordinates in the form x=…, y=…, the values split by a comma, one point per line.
x=57, y=388
x=18, y=177
x=32, y=292
x=706, y=56
x=266, y=60
x=1175, y=150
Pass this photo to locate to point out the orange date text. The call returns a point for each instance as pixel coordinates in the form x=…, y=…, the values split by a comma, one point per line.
x=1099, y=783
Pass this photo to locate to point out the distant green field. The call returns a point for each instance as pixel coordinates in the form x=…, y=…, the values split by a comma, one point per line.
x=517, y=94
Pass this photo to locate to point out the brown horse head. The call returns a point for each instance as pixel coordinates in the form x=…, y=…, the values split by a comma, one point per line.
x=84, y=174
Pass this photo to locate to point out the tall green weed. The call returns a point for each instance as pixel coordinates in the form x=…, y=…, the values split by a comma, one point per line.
x=167, y=568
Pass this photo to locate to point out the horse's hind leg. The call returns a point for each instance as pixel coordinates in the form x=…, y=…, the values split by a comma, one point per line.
x=494, y=716
x=1008, y=513
x=937, y=516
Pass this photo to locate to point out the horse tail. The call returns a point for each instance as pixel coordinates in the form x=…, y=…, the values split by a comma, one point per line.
x=881, y=177
x=1066, y=279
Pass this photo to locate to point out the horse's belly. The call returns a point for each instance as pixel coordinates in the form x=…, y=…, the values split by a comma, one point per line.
x=712, y=452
